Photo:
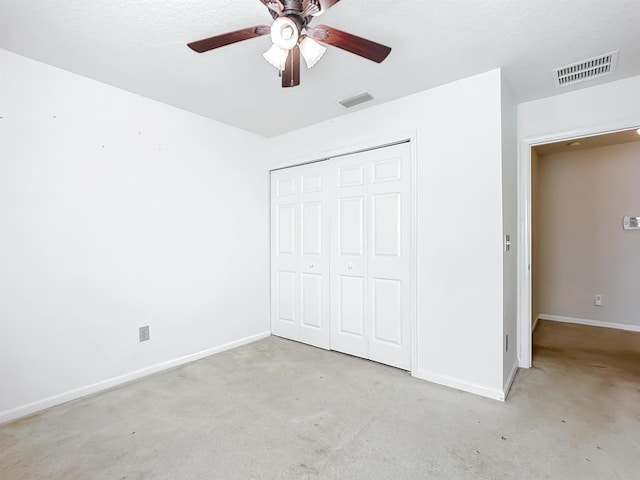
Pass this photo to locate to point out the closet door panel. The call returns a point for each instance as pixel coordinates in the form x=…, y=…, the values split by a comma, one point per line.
x=351, y=315
x=314, y=256
x=351, y=226
x=286, y=229
x=300, y=302
x=387, y=225
x=284, y=254
x=370, y=256
x=389, y=261
x=312, y=228
x=349, y=310
x=312, y=307
x=387, y=309
x=286, y=285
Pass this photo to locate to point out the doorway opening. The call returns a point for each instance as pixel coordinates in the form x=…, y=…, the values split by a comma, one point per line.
x=578, y=262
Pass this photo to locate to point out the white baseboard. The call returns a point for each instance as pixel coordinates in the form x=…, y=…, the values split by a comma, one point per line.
x=512, y=375
x=23, y=411
x=590, y=323
x=447, y=381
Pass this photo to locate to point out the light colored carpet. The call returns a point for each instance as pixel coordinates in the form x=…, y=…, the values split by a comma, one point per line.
x=281, y=410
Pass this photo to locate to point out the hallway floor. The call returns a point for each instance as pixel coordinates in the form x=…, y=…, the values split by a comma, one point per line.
x=277, y=409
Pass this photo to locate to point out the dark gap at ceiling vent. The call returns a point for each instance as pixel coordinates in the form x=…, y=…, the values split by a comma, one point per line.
x=356, y=100
x=586, y=69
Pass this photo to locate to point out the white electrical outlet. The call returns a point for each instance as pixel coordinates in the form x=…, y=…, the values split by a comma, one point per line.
x=597, y=300
x=144, y=333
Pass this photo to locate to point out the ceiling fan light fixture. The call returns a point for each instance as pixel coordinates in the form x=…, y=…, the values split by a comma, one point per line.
x=285, y=33
x=290, y=19
x=311, y=51
x=276, y=56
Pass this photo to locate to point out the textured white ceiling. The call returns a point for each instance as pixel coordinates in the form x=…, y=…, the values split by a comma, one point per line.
x=140, y=46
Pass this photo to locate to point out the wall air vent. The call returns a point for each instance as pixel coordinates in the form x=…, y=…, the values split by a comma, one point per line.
x=356, y=100
x=586, y=69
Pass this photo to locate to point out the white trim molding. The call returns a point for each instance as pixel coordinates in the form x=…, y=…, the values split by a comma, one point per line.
x=35, y=407
x=509, y=382
x=524, y=253
x=447, y=381
x=589, y=323
x=536, y=322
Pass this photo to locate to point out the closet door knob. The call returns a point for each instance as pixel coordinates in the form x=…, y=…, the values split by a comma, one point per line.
x=350, y=266
x=311, y=265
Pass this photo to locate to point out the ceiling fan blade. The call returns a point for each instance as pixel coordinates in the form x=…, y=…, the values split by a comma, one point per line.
x=349, y=42
x=327, y=4
x=311, y=8
x=218, y=41
x=291, y=74
x=275, y=7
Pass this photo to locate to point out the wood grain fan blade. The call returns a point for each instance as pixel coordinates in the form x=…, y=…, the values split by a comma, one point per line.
x=218, y=41
x=351, y=43
x=291, y=74
x=275, y=7
x=327, y=4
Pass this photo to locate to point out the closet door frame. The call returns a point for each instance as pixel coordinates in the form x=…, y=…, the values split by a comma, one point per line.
x=370, y=143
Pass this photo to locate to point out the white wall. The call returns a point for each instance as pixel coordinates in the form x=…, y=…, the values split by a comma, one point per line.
x=509, y=138
x=116, y=212
x=459, y=189
x=612, y=106
x=583, y=249
x=603, y=108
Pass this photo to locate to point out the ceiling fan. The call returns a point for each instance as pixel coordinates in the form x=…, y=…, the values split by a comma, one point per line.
x=293, y=37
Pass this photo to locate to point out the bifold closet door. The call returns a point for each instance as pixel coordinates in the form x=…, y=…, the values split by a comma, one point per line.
x=300, y=304
x=370, y=255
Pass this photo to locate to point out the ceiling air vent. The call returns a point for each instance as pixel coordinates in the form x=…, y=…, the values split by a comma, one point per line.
x=586, y=69
x=356, y=100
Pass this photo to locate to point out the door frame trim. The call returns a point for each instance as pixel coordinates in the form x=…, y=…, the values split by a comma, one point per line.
x=392, y=138
x=524, y=283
